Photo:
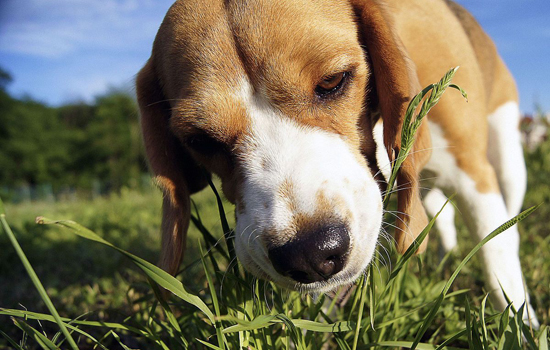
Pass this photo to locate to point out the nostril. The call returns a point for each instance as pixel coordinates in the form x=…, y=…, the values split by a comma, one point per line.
x=327, y=268
x=330, y=266
x=313, y=256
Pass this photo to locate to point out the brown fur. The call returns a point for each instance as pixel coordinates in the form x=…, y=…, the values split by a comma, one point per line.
x=204, y=47
x=438, y=39
x=396, y=84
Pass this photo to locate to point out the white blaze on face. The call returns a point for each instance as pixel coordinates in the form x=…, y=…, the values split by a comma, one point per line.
x=286, y=169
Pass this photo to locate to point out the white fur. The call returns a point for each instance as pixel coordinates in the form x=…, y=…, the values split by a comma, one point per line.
x=382, y=159
x=506, y=155
x=433, y=201
x=483, y=212
x=279, y=150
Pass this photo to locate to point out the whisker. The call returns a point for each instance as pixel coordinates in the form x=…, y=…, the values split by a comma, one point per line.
x=232, y=263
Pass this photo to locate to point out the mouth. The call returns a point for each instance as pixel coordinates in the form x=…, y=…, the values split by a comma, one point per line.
x=328, y=285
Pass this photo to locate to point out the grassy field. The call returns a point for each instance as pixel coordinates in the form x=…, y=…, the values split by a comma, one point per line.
x=86, y=279
x=81, y=275
x=111, y=303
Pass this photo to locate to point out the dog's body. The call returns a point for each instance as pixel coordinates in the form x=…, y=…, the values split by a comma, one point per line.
x=281, y=99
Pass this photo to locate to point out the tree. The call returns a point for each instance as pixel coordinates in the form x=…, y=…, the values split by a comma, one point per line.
x=74, y=145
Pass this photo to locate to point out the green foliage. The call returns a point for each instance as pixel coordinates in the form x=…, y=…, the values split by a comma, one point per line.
x=112, y=146
x=252, y=313
x=38, y=285
x=33, y=149
x=100, y=280
x=535, y=232
x=76, y=145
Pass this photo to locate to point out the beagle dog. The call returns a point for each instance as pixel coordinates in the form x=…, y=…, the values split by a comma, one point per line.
x=297, y=105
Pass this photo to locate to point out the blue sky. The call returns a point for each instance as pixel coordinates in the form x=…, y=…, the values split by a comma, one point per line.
x=61, y=51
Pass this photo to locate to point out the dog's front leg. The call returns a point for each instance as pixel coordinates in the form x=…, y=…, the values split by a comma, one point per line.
x=484, y=212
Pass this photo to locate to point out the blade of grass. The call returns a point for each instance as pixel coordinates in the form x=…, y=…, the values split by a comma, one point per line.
x=342, y=344
x=263, y=321
x=168, y=313
x=363, y=290
x=527, y=335
x=476, y=337
x=257, y=323
x=35, y=280
x=50, y=318
x=208, y=237
x=452, y=338
x=161, y=277
x=209, y=345
x=428, y=320
x=116, y=336
x=483, y=321
x=503, y=326
x=523, y=331
x=11, y=341
x=355, y=302
x=543, y=339
x=295, y=335
x=399, y=344
x=402, y=261
x=225, y=226
x=70, y=323
x=468, y=315
x=323, y=327
x=372, y=296
x=40, y=338
x=416, y=243
x=217, y=325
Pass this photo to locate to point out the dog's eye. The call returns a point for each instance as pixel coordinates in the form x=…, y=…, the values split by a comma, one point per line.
x=204, y=144
x=331, y=84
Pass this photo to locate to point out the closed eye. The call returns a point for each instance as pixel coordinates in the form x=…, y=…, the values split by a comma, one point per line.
x=204, y=144
x=331, y=84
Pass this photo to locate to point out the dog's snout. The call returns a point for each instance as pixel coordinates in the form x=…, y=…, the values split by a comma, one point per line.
x=313, y=256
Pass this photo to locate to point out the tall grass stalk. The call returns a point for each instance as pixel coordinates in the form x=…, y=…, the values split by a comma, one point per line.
x=411, y=123
x=36, y=281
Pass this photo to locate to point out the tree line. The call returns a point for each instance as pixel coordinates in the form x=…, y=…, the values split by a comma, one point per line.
x=76, y=145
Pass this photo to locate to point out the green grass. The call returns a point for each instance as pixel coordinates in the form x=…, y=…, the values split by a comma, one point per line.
x=108, y=296
x=265, y=314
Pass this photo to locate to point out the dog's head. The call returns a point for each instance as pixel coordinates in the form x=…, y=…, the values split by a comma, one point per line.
x=279, y=98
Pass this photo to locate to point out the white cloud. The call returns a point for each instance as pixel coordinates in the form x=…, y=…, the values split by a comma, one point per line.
x=63, y=50
x=55, y=28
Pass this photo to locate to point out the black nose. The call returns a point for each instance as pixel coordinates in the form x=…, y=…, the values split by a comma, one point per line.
x=313, y=256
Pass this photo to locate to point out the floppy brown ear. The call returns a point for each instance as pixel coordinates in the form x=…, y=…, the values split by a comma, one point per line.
x=175, y=171
x=395, y=83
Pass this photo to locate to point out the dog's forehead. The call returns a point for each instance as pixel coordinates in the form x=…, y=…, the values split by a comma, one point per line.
x=220, y=51
x=269, y=32
x=258, y=34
